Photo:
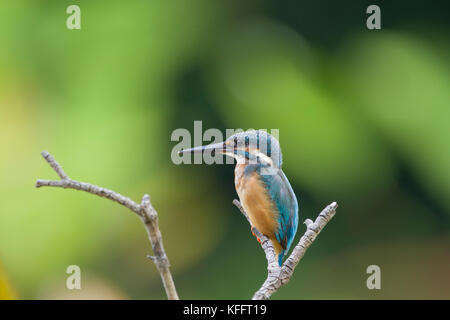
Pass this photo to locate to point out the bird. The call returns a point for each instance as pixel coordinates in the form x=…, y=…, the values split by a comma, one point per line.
x=263, y=189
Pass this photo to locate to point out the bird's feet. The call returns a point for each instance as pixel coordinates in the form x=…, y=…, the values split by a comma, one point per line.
x=253, y=229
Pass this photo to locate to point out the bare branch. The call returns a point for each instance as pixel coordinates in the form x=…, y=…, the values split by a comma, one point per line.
x=278, y=276
x=150, y=219
x=144, y=210
x=55, y=165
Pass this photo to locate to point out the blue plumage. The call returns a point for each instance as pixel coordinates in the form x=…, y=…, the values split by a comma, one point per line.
x=283, y=197
x=281, y=193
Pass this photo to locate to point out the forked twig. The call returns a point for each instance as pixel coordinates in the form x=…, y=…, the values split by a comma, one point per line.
x=144, y=210
x=278, y=276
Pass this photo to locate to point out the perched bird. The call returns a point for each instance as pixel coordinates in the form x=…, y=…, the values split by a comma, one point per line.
x=262, y=187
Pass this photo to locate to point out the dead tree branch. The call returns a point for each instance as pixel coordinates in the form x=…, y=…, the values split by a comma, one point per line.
x=144, y=210
x=278, y=276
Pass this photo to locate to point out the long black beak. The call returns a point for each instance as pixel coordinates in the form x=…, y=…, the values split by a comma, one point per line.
x=220, y=147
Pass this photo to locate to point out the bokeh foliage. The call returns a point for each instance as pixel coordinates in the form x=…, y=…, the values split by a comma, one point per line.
x=363, y=119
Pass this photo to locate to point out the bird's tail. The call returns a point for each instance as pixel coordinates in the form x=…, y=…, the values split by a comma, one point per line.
x=280, y=257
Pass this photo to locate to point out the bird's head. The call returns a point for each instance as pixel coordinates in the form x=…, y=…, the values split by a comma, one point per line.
x=249, y=147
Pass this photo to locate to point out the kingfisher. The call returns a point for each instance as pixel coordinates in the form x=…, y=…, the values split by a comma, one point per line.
x=263, y=189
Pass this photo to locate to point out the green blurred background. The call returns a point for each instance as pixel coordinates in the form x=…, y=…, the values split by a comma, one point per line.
x=363, y=118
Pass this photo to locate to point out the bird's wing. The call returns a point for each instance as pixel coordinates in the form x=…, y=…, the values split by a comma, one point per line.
x=281, y=193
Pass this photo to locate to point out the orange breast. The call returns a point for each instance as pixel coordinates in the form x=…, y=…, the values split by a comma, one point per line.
x=256, y=202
